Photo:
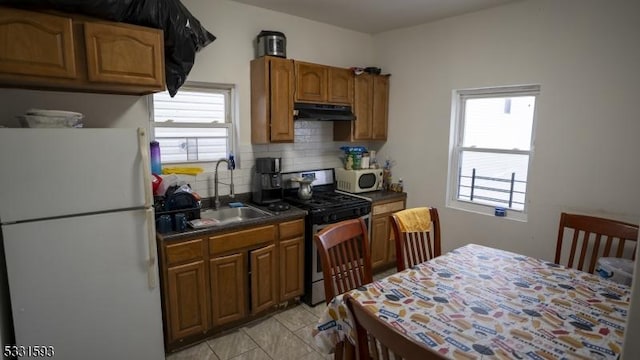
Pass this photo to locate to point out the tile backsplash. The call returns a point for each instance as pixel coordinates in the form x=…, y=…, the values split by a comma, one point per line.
x=313, y=148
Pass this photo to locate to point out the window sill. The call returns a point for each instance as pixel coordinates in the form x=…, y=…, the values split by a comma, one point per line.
x=486, y=210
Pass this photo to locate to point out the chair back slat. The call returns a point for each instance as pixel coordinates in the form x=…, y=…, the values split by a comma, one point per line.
x=378, y=340
x=344, y=255
x=588, y=233
x=415, y=247
x=594, y=253
x=607, y=246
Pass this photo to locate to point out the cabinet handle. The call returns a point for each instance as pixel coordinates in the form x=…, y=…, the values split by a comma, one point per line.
x=143, y=144
x=151, y=241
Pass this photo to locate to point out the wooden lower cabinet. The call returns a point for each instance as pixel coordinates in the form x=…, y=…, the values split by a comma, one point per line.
x=383, y=251
x=216, y=282
x=263, y=278
x=291, y=268
x=379, y=240
x=228, y=279
x=188, y=294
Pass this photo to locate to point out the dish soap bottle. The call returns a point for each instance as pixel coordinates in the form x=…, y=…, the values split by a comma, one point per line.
x=231, y=162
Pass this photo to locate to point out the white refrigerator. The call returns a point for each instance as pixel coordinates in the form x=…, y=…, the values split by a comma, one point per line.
x=79, y=243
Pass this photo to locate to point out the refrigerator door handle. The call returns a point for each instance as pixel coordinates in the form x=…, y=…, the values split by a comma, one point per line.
x=146, y=167
x=151, y=240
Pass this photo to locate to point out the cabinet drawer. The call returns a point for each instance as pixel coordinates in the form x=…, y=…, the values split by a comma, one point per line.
x=388, y=207
x=241, y=239
x=291, y=229
x=185, y=251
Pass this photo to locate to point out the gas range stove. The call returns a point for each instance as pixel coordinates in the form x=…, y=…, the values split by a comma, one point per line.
x=326, y=205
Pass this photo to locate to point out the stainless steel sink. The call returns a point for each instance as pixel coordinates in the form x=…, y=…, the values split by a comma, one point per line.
x=229, y=215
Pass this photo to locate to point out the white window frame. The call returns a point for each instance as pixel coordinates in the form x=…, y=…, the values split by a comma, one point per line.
x=230, y=116
x=456, y=148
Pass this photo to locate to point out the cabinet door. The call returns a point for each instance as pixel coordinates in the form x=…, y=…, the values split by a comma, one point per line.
x=263, y=278
x=281, y=88
x=291, y=268
x=187, y=290
x=36, y=44
x=311, y=82
x=228, y=288
x=380, y=105
x=362, y=107
x=121, y=54
x=340, y=86
x=379, y=240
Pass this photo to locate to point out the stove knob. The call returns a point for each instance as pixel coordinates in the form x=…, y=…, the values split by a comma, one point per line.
x=325, y=218
x=333, y=217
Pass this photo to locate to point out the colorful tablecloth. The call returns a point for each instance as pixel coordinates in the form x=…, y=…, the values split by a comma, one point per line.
x=478, y=302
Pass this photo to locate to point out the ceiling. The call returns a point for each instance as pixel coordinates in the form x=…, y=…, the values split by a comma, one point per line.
x=374, y=16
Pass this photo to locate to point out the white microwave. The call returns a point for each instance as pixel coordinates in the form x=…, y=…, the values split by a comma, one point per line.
x=358, y=181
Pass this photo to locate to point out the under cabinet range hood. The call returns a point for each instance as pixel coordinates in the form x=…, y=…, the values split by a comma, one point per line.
x=323, y=112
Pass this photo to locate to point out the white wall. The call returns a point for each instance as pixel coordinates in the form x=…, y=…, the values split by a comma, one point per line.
x=584, y=56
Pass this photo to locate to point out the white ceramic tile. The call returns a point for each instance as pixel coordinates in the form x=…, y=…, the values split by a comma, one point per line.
x=197, y=352
x=255, y=354
x=316, y=356
x=231, y=345
x=317, y=310
x=296, y=318
x=276, y=340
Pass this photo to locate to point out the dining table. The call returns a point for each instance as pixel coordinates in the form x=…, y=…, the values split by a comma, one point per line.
x=477, y=302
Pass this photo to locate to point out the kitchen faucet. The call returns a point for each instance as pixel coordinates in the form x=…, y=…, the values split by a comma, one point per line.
x=216, y=203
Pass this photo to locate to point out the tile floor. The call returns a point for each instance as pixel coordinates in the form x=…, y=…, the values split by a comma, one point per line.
x=284, y=335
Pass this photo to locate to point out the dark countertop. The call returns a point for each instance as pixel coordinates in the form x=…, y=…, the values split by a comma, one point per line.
x=277, y=217
x=377, y=196
x=291, y=214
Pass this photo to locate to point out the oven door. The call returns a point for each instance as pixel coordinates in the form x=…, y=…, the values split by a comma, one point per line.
x=317, y=287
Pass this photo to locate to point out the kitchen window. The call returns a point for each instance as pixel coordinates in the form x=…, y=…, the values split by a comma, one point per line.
x=196, y=124
x=491, y=149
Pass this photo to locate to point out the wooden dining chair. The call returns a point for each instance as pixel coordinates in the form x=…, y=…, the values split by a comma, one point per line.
x=417, y=236
x=346, y=265
x=587, y=234
x=377, y=340
x=345, y=257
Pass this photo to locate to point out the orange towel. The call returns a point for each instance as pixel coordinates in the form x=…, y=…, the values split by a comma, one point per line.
x=414, y=220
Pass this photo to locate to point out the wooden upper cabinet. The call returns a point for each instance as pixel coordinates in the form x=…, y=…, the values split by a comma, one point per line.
x=340, y=86
x=282, y=88
x=36, y=44
x=363, y=107
x=371, y=107
x=77, y=53
x=124, y=54
x=317, y=83
x=380, y=114
x=272, y=88
x=311, y=82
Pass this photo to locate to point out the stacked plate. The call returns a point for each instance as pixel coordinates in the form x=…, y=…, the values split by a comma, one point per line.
x=38, y=118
